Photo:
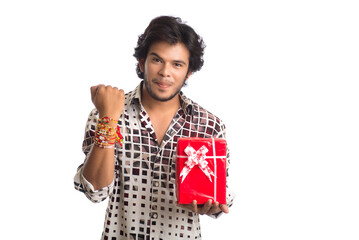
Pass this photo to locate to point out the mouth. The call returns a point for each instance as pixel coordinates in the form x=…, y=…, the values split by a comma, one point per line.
x=163, y=84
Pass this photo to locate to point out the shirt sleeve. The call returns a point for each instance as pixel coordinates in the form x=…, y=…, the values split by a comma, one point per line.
x=80, y=182
x=230, y=195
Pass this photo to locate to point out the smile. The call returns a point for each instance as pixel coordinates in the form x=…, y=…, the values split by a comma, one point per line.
x=162, y=84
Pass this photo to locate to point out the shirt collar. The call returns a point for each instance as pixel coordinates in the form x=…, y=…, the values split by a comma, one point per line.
x=135, y=95
x=186, y=103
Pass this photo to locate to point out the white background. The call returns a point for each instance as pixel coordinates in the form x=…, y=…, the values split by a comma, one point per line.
x=282, y=75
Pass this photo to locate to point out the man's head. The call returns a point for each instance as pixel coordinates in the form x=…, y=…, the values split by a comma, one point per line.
x=172, y=31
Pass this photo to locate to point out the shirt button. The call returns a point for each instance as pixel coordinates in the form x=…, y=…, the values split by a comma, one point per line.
x=154, y=215
x=156, y=184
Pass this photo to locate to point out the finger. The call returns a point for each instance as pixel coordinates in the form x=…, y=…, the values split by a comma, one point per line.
x=120, y=92
x=206, y=207
x=194, y=206
x=122, y=95
x=214, y=209
x=224, y=208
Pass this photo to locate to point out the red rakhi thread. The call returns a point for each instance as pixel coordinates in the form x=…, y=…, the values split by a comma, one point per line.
x=106, y=136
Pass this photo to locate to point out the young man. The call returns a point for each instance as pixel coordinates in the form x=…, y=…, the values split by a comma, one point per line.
x=139, y=177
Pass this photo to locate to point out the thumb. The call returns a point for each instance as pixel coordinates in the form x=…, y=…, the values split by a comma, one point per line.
x=94, y=90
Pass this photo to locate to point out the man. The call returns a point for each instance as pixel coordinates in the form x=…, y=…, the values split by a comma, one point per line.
x=139, y=177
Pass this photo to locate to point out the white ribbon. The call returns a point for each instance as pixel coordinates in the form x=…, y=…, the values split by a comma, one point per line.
x=196, y=158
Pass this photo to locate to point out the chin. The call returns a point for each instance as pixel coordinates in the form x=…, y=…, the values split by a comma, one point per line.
x=163, y=98
x=162, y=94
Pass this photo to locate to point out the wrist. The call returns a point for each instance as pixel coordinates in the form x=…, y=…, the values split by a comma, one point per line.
x=107, y=133
x=112, y=116
x=106, y=119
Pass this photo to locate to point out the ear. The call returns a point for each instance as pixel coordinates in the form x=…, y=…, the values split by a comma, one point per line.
x=188, y=75
x=141, y=64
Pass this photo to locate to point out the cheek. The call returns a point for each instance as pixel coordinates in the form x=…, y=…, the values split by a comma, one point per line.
x=150, y=69
x=181, y=75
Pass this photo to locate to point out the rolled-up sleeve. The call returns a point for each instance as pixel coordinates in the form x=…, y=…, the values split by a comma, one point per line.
x=80, y=182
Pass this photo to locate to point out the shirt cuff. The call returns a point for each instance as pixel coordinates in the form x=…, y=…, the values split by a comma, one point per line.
x=88, y=186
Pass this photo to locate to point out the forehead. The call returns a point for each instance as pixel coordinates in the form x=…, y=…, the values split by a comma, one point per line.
x=177, y=51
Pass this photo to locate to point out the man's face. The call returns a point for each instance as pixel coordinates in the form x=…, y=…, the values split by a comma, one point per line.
x=165, y=70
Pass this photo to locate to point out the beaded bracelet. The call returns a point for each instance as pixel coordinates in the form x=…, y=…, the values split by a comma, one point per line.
x=106, y=136
x=106, y=120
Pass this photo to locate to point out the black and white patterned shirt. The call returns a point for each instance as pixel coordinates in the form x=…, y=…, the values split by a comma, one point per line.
x=142, y=196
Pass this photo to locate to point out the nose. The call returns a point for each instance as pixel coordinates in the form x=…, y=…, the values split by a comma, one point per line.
x=165, y=70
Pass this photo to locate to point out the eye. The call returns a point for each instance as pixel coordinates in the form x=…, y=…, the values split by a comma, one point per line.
x=156, y=60
x=178, y=65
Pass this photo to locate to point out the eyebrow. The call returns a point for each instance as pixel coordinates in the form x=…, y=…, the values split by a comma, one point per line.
x=176, y=61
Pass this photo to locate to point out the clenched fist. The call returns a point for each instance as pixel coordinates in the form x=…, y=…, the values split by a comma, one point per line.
x=108, y=100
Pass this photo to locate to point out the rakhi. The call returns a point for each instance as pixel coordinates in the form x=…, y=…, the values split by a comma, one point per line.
x=106, y=136
x=106, y=120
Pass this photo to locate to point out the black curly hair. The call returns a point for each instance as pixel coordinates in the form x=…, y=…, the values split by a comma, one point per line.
x=171, y=30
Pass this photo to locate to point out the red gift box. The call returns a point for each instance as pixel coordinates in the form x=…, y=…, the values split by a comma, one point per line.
x=201, y=170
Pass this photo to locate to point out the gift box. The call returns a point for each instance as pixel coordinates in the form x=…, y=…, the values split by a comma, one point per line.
x=201, y=170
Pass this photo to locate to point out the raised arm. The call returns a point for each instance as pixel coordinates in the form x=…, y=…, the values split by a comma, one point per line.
x=99, y=166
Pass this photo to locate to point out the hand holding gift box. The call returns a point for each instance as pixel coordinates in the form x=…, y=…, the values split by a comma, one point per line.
x=201, y=170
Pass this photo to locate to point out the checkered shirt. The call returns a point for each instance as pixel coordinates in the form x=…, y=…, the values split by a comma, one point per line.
x=142, y=196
